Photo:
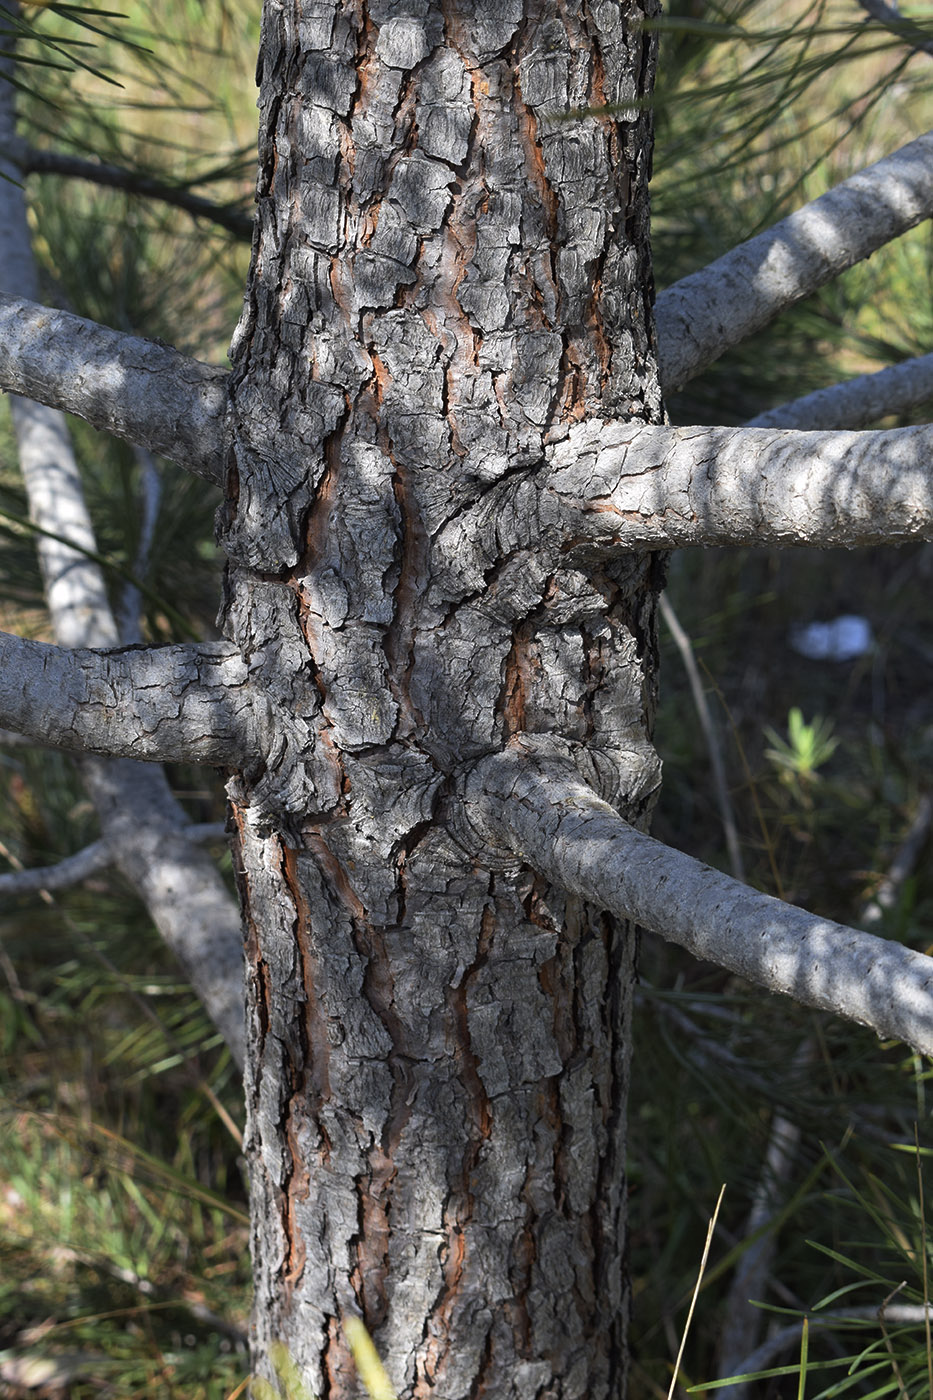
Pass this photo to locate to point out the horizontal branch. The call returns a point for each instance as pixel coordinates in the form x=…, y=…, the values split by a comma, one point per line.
x=180, y=703
x=855, y=403
x=610, y=487
x=134, y=388
x=706, y=313
x=11, y=740
x=530, y=801
x=32, y=161
x=140, y=820
x=90, y=860
x=788, y=1337
x=71, y=870
x=632, y=487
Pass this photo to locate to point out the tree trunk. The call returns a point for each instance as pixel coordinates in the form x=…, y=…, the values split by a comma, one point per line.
x=448, y=272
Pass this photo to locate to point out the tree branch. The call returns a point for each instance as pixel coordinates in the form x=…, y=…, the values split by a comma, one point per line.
x=764, y=1356
x=889, y=889
x=607, y=487
x=129, y=621
x=91, y=859
x=9, y=739
x=188, y=704
x=32, y=161
x=179, y=885
x=625, y=487
x=134, y=388
x=892, y=19
x=71, y=870
x=856, y=403
x=139, y=818
x=703, y=315
x=530, y=800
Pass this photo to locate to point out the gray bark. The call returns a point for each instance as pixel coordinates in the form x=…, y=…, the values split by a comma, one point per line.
x=706, y=313
x=140, y=820
x=133, y=388
x=179, y=704
x=855, y=403
x=787, y=1339
x=89, y=861
x=611, y=487
x=61, y=876
x=533, y=802
x=438, y=1049
x=434, y=561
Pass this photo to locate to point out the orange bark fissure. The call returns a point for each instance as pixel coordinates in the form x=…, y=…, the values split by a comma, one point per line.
x=443, y=278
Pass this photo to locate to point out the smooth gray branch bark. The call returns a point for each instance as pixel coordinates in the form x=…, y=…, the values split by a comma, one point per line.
x=67, y=872
x=857, y=402
x=91, y=859
x=180, y=703
x=765, y=1356
x=531, y=801
x=905, y=858
x=139, y=818
x=181, y=887
x=149, y=494
x=10, y=740
x=134, y=388
x=703, y=315
x=31, y=161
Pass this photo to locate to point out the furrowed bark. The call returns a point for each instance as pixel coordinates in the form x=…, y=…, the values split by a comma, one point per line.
x=855, y=403
x=612, y=487
x=133, y=388
x=182, y=704
x=706, y=313
x=533, y=802
x=438, y=1050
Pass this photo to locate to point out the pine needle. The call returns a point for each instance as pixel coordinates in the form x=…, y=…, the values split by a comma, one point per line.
x=369, y=1367
x=683, y=1339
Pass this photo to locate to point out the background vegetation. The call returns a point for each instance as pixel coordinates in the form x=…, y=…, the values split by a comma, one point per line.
x=123, y=1233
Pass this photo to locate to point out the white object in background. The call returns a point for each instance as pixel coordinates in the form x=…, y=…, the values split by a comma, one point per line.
x=843, y=639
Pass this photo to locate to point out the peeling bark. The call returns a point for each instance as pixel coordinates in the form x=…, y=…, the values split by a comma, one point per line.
x=448, y=270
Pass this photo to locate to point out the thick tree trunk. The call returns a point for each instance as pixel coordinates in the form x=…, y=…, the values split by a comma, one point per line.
x=448, y=271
